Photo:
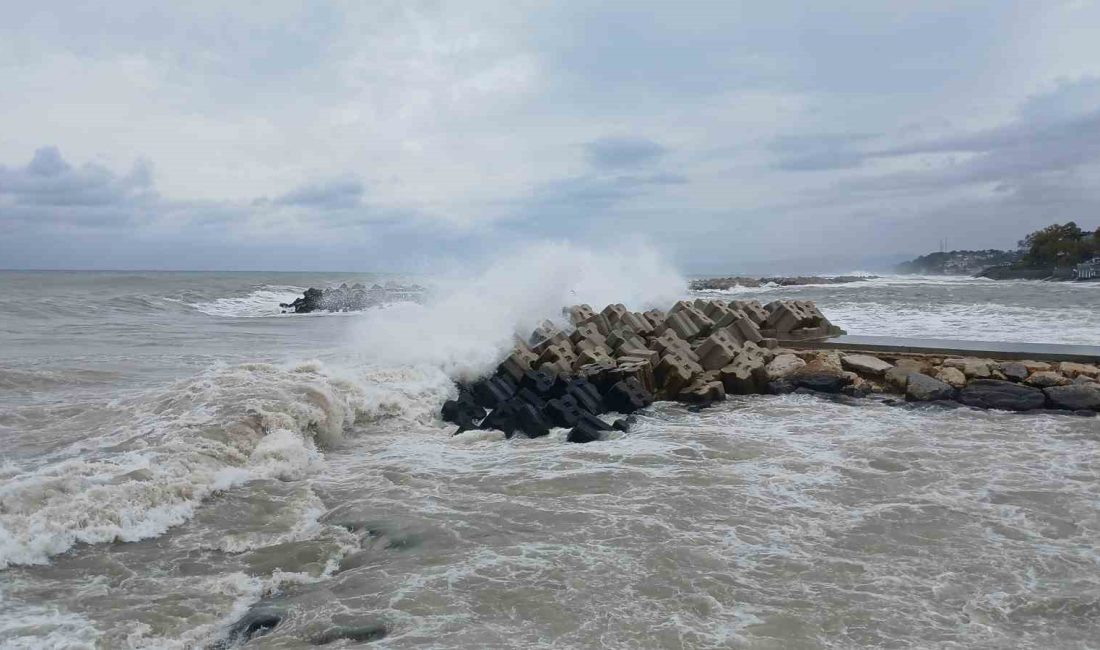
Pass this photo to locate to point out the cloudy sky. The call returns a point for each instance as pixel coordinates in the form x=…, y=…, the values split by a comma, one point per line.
x=734, y=136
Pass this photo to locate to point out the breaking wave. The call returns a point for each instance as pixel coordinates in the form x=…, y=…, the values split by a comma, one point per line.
x=202, y=436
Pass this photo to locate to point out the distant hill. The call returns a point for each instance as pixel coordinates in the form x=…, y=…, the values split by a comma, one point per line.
x=958, y=262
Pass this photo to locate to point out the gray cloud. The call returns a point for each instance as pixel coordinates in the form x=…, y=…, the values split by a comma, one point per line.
x=745, y=129
x=616, y=152
x=819, y=152
x=50, y=191
x=335, y=194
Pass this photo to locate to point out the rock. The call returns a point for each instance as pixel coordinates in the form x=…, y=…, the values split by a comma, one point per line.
x=360, y=634
x=1014, y=371
x=259, y=621
x=1046, y=379
x=1002, y=395
x=1081, y=379
x=971, y=367
x=1076, y=397
x=1074, y=370
x=783, y=365
x=920, y=387
x=628, y=396
x=821, y=381
x=1035, y=366
x=625, y=424
x=952, y=376
x=865, y=364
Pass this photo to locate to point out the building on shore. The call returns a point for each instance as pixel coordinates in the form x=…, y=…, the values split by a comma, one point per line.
x=1089, y=270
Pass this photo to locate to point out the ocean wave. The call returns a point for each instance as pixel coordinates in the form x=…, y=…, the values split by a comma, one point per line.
x=260, y=303
x=226, y=427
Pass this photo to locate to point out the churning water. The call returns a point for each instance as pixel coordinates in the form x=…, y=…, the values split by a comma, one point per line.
x=178, y=456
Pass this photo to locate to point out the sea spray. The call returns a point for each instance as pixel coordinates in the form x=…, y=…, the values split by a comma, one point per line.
x=468, y=320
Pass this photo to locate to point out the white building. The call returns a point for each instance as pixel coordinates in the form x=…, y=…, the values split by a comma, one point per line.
x=1089, y=270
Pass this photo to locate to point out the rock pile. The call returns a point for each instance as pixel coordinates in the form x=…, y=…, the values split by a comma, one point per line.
x=344, y=298
x=619, y=360
x=698, y=352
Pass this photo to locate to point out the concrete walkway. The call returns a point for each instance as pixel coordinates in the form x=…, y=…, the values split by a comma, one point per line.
x=982, y=349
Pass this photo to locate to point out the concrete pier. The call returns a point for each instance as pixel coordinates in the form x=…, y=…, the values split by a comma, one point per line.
x=1004, y=351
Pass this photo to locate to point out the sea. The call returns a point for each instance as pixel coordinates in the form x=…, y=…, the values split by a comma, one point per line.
x=184, y=465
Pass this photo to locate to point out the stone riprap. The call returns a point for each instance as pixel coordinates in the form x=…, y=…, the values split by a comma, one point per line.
x=698, y=352
x=356, y=297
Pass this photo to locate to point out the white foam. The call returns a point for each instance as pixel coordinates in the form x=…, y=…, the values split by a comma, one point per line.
x=261, y=303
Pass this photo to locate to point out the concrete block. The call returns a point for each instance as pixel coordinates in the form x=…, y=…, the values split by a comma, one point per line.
x=518, y=363
x=636, y=322
x=718, y=350
x=560, y=352
x=669, y=339
x=592, y=356
x=675, y=372
x=656, y=319
x=645, y=354
x=587, y=396
x=751, y=308
x=703, y=393
x=641, y=371
x=579, y=313
x=628, y=396
x=624, y=336
x=682, y=324
x=745, y=376
x=614, y=313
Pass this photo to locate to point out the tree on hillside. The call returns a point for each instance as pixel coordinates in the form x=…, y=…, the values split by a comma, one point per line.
x=1059, y=245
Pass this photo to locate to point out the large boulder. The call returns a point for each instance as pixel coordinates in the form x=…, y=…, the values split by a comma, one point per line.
x=952, y=376
x=783, y=365
x=865, y=364
x=1002, y=395
x=1076, y=397
x=971, y=367
x=1074, y=370
x=919, y=387
x=1014, y=370
x=1046, y=379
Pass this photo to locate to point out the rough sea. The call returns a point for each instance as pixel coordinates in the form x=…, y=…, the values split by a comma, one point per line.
x=179, y=456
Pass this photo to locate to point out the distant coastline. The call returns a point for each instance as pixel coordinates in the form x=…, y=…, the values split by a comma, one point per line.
x=1059, y=252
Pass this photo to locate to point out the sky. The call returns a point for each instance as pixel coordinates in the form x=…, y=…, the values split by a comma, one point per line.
x=387, y=136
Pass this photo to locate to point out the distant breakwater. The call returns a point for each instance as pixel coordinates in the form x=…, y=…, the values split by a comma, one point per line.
x=721, y=284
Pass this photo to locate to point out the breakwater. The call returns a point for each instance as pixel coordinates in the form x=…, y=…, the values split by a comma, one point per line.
x=699, y=352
